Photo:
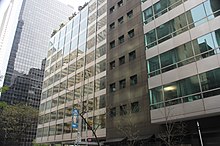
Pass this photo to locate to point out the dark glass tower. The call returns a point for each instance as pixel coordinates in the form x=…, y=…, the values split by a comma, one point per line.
x=25, y=69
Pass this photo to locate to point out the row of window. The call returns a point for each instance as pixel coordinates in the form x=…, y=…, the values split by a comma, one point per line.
x=123, y=109
x=186, y=90
x=189, y=52
x=78, y=77
x=119, y=4
x=159, y=8
x=122, y=83
x=121, y=39
x=72, y=56
x=96, y=122
x=131, y=55
x=186, y=21
x=121, y=20
x=97, y=85
x=93, y=104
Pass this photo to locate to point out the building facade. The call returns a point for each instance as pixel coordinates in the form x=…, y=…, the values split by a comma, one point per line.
x=75, y=80
x=26, y=63
x=128, y=108
x=182, y=39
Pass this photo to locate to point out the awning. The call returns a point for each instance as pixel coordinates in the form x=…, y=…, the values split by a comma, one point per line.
x=116, y=140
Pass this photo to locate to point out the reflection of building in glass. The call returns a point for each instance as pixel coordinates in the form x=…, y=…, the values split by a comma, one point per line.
x=183, y=65
x=74, y=78
x=25, y=68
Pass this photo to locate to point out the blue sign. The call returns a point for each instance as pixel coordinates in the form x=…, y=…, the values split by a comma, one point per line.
x=74, y=125
x=75, y=112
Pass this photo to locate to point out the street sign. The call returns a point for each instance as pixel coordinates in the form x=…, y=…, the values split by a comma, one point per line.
x=75, y=112
x=74, y=125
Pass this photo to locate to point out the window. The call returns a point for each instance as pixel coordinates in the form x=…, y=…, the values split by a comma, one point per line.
x=112, y=44
x=130, y=14
x=112, y=26
x=112, y=65
x=122, y=84
x=120, y=3
x=123, y=109
x=112, y=87
x=132, y=55
x=113, y=112
x=112, y=9
x=131, y=33
x=133, y=80
x=121, y=39
x=121, y=20
x=122, y=60
x=135, y=107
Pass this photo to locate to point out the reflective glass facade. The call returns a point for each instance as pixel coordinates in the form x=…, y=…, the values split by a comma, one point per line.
x=25, y=68
x=75, y=78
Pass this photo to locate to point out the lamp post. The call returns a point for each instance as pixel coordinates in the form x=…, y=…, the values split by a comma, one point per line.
x=200, y=135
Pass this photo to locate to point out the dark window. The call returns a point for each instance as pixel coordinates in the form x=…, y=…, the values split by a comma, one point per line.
x=131, y=33
x=123, y=109
x=113, y=112
x=112, y=9
x=112, y=65
x=112, y=44
x=121, y=20
x=122, y=84
x=112, y=87
x=122, y=60
x=133, y=80
x=112, y=26
x=132, y=55
x=121, y=39
x=120, y=3
x=135, y=107
x=130, y=14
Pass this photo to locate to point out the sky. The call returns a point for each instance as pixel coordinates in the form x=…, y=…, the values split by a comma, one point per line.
x=74, y=3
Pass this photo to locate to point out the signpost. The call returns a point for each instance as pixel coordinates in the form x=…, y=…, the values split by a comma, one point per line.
x=75, y=123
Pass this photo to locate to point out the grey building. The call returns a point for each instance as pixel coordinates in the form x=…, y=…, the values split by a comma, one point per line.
x=182, y=39
x=25, y=68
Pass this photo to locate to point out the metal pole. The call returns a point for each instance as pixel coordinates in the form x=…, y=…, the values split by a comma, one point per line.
x=200, y=135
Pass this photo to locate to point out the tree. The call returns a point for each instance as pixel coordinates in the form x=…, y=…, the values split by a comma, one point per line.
x=36, y=144
x=4, y=88
x=127, y=125
x=15, y=121
x=173, y=132
x=81, y=112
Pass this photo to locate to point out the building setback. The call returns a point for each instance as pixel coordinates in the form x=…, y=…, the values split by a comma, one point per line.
x=75, y=79
x=182, y=39
x=25, y=68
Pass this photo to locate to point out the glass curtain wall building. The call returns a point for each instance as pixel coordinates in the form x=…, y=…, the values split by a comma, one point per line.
x=25, y=68
x=75, y=79
x=182, y=40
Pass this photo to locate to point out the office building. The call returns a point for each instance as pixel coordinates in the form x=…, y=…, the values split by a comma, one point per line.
x=25, y=66
x=75, y=80
x=182, y=39
x=127, y=103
